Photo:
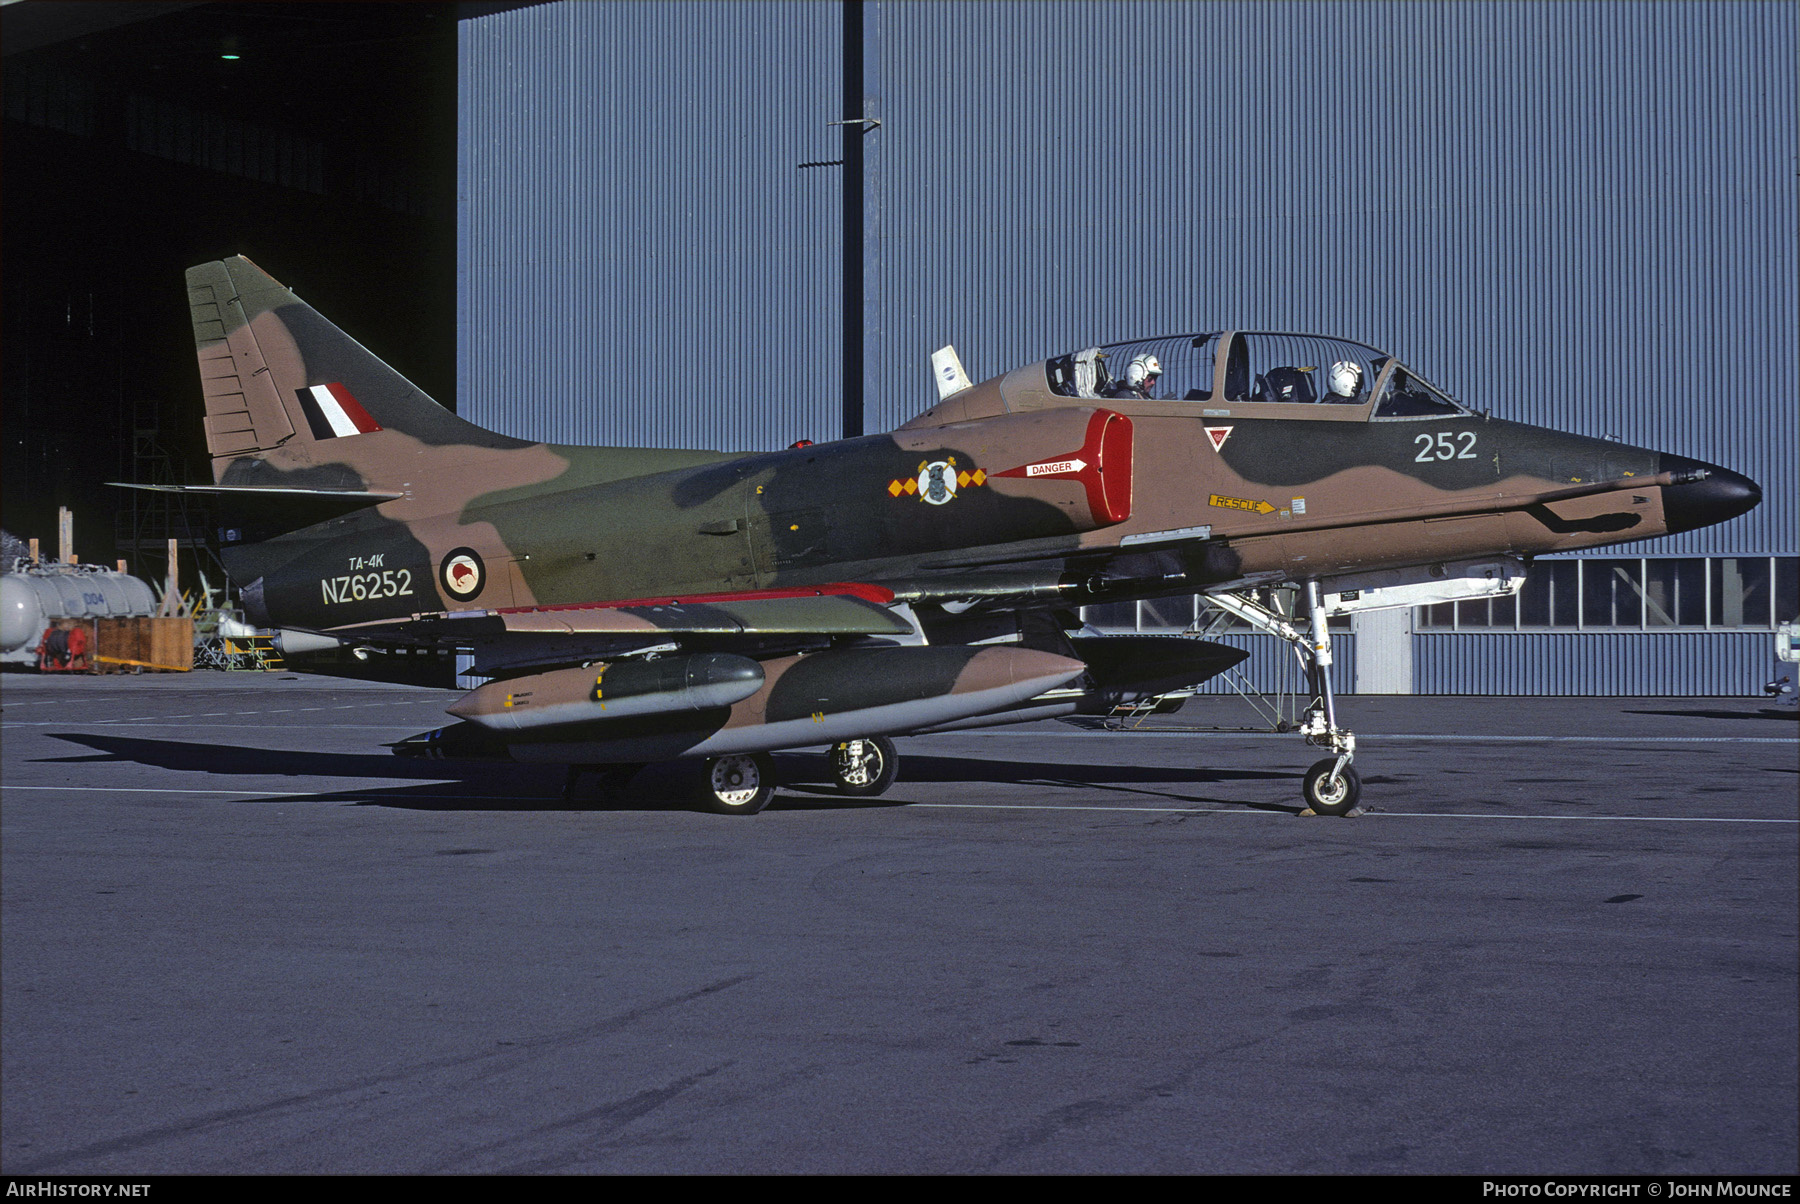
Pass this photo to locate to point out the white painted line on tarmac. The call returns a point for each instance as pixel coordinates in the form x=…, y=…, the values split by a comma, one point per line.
x=1382, y=736
x=259, y=727
x=1664, y=819
x=1606, y=739
x=167, y=790
x=1654, y=819
x=369, y=796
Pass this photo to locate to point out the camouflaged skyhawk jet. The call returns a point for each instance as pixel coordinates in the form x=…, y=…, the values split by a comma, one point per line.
x=636, y=605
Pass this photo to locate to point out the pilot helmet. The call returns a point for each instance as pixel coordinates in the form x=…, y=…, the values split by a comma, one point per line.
x=1346, y=375
x=1143, y=371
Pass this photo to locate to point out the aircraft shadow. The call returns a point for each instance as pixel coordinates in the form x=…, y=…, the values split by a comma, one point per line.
x=1135, y=780
x=505, y=786
x=450, y=785
x=228, y=759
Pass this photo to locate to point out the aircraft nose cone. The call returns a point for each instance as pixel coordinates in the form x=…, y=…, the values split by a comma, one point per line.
x=1718, y=495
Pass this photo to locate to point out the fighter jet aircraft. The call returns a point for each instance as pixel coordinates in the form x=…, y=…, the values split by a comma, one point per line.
x=630, y=605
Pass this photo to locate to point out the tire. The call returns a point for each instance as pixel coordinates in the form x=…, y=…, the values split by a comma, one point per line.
x=1331, y=796
x=868, y=770
x=740, y=784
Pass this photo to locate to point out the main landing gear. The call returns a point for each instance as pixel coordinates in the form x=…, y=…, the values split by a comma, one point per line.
x=738, y=784
x=1331, y=786
x=864, y=768
x=743, y=784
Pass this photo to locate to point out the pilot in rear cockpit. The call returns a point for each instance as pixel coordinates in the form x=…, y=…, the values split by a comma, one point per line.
x=1141, y=375
x=1345, y=382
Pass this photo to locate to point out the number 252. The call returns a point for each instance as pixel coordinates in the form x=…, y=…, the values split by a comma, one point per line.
x=1444, y=446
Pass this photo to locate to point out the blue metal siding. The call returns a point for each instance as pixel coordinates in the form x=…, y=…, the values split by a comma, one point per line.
x=1581, y=215
x=641, y=259
x=1577, y=215
x=1594, y=663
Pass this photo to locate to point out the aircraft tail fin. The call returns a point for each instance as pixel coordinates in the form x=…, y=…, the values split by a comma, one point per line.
x=286, y=391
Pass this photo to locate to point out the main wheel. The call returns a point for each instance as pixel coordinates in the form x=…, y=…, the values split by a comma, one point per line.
x=740, y=784
x=864, y=767
x=1328, y=795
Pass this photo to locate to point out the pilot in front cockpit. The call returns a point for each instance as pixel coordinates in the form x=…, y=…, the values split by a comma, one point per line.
x=1344, y=383
x=1141, y=375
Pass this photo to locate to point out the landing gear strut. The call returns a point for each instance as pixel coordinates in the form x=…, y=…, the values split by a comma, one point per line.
x=1331, y=786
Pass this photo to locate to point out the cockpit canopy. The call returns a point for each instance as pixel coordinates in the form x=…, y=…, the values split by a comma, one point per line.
x=1242, y=367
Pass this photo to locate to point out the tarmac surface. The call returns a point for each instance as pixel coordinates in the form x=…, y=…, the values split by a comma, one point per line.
x=240, y=936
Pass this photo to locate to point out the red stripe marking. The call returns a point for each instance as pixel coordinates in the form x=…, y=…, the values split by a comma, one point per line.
x=353, y=409
x=880, y=595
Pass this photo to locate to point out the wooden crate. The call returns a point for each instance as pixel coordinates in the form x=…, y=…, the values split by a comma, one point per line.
x=143, y=645
x=115, y=646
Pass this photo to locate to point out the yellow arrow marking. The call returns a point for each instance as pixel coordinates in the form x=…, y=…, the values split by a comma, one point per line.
x=1240, y=503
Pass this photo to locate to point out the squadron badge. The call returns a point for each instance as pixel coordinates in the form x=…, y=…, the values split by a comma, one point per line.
x=938, y=481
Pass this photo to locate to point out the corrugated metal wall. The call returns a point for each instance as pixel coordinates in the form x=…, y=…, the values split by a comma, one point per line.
x=641, y=260
x=1582, y=215
x=1593, y=663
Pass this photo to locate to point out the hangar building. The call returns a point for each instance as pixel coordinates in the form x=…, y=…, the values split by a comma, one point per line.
x=735, y=225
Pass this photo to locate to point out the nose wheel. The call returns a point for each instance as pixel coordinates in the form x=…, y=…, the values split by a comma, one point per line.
x=864, y=768
x=1332, y=787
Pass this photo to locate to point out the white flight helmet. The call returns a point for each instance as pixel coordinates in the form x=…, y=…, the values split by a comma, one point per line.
x=1141, y=373
x=1346, y=375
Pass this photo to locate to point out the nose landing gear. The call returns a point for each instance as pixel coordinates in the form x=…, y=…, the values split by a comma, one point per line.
x=1331, y=786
